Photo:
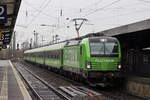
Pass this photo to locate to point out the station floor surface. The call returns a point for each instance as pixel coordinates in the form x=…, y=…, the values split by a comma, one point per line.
x=11, y=86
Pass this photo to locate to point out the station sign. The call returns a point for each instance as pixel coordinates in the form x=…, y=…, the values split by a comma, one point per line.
x=1, y=36
x=1, y=41
x=3, y=14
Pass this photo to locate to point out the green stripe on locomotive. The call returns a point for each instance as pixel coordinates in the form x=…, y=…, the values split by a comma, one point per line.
x=104, y=64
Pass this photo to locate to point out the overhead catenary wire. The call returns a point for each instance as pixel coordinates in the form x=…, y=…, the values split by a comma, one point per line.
x=89, y=11
x=102, y=8
x=39, y=11
x=94, y=12
x=35, y=16
x=125, y=14
x=106, y=6
x=145, y=1
x=89, y=6
x=36, y=10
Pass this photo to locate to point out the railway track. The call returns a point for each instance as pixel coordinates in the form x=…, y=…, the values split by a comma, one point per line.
x=110, y=94
x=41, y=89
x=45, y=91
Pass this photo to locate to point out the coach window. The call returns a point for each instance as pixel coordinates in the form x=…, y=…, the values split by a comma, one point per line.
x=55, y=56
x=59, y=54
x=47, y=54
x=37, y=54
x=54, y=52
x=50, y=54
x=40, y=55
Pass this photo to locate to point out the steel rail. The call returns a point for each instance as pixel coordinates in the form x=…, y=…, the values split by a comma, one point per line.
x=49, y=86
x=38, y=97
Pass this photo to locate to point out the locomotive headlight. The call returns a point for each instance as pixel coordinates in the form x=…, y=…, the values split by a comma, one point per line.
x=88, y=65
x=119, y=66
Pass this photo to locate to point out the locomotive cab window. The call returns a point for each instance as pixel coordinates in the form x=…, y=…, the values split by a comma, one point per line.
x=104, y=48
x=111, y=48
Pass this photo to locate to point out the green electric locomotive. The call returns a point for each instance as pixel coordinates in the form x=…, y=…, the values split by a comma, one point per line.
x=97, y=60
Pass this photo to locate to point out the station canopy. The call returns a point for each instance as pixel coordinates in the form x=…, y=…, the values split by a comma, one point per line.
x=8, y=15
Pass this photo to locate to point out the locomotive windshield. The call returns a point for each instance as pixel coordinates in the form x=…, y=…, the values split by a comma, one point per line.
x=104, y=48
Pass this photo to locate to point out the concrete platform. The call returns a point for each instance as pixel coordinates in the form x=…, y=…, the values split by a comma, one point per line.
x=139, y=86
x=11, y=86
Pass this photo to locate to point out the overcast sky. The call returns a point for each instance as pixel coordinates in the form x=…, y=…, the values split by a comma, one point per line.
x=101, y=15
